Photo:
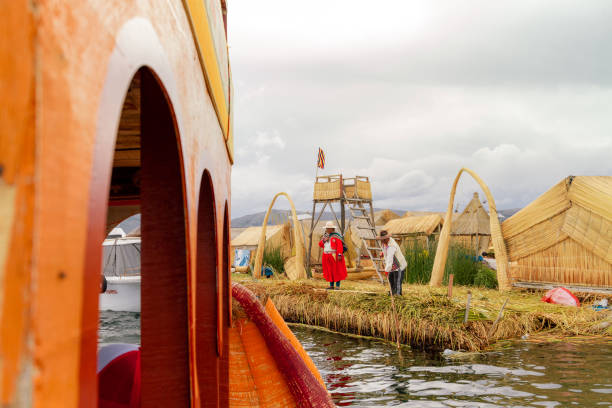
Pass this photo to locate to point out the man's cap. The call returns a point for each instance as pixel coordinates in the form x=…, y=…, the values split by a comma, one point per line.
x=383, y=235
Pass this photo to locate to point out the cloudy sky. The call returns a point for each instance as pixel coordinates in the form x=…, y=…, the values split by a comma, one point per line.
x=408, y=92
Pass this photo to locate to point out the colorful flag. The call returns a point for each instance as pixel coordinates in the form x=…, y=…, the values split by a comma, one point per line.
x=321, y=159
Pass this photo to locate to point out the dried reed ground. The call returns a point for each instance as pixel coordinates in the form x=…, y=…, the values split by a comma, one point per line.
x=428, y=319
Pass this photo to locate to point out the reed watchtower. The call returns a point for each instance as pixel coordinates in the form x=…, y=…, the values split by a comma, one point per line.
x=354, y=194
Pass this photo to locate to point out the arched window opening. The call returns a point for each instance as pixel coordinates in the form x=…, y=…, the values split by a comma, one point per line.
x=147, y=178
x=209, y=345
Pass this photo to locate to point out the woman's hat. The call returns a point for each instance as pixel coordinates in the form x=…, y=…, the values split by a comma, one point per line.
x=329, y=224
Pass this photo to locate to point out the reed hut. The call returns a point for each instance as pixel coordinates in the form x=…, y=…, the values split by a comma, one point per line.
x=416, y=228
x=317, y=232
x=423, y=213
x=384, y=216
x=472, y=229
x=277, y=236
x=235, y=232
x=564, y=236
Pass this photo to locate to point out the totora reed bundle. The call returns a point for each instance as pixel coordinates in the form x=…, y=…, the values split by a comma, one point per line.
x=428, y=319
x=496, y=236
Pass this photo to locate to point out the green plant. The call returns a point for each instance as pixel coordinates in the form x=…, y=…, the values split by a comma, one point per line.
x=273, y=258
x=420, y=260
x=486, y=278
x=462, y=263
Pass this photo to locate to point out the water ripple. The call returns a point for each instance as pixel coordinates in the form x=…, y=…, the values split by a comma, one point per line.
x=365, y=373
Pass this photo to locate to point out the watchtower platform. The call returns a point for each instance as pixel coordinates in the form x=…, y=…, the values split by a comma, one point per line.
x=354, y=194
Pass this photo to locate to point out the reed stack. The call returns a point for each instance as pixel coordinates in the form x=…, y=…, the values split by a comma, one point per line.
x=427, y=318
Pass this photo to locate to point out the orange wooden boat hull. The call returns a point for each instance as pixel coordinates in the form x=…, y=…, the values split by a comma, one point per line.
x=79, y=81
x=268, y=366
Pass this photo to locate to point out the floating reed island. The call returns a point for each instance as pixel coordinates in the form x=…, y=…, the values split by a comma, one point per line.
x=427, y=318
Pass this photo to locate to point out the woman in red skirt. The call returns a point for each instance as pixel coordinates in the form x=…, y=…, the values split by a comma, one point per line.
x=334, y=267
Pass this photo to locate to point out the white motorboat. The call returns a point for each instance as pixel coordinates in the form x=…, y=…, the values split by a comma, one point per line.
x=121, y=269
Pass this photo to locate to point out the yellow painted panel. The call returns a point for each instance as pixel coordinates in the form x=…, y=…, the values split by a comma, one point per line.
x=203, y=35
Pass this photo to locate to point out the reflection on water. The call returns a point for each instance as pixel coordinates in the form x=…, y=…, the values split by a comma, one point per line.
x=361, y=372
x=367, y=373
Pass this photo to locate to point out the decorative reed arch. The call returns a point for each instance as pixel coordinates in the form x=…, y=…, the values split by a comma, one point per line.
x=299, y=250
x=496, y=235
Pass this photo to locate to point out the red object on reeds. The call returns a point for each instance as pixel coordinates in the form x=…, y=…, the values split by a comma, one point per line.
x=302, y=383
x=561, y=296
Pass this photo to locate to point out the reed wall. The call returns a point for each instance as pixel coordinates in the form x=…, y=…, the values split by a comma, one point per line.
x=476, y=244
x=565, y=235
x=566, y=262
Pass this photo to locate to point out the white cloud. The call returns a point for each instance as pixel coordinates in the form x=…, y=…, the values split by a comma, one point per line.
x=409, y=92
x=268, y=139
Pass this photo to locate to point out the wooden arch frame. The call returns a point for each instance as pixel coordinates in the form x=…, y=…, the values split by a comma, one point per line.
x=499, y=246
x=299, y=250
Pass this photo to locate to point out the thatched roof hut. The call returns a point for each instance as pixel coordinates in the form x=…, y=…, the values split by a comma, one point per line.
x=472, y=228
x=277, y=236
x=249, y=238
x=420, y=213
x=473, y=220
x=418, y=225
x=418, y=229
x=423, y=213
x=235, y=232
x=384, y=216
x=565, y=235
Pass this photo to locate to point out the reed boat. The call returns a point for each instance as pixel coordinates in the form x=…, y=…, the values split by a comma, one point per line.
x=112, y=108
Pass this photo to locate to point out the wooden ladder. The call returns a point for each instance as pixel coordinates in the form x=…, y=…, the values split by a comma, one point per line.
x=367, y=230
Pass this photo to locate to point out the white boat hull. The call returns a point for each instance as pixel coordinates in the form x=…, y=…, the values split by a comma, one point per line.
x=122, y=294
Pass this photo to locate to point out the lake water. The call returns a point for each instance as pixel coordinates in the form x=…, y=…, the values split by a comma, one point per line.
x=369, y=373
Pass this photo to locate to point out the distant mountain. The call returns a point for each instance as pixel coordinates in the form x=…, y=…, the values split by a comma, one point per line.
x=251, y=220
x=509, y=213
x=281, y=216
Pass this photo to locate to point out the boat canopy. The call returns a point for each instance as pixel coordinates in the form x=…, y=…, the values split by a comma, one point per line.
x=121, y=257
